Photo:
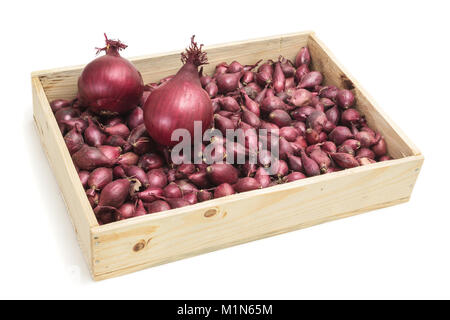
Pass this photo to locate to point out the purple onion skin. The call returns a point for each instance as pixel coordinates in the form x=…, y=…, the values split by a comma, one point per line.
x=157, y=206
x=128, y=159
x=74, y=140
x=150, y=161
x=303, y=57
x=384, y=158
x=112, y=153
x=204, y=80
x=229, y=104
x=289, y=133
x=157, y=178
x=199, y=179
x=280, y=117
x=311, y=79
x=322, y=159
x=333, y=115
x=329, y=147
x=117, y=141
x=204, y=195
x=186, y=186
x=288, y=68
x=228, y=82
x=140, y=209
x=251, y=118
x=302, y=113
x=66, y=114
x=365, y=161
x=79, y=123
x=89, y=158
x=294, y=176
x=84, y=176
x=329, y=92
x=144, y=97
x=278, y=78
x=137, y=173
x=119, y=173
x=365, y=153
x=110, y=122
x=380, y=148
x=180, y=102
x=126, y=211
x=150, y=194
x=344, y=160
x=301, y=71
x=345, y=99
x=184, y=170
x=317, y=120
x=177, y=202
x=346, y=149
x=135, y=118
x=300, y=98
x=220, y=173
x=271, y=103
x=114, y=193
x=191, y=197
x=223, y=124
x=300, y=126
x=295, y=163
x=350, y=116
x=119, y=129
x=312, y=136
x=235, y=67
x=223, y=190
x=340, y=134
x=353, y=143
x=58, y=104
x=93, y=135
x=110, y=84
x=212, y=89
x=99, y=178
x=172, y=190
x=246, y=184
x=309, y=165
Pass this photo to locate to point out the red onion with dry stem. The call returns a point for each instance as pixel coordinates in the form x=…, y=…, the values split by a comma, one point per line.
x=179, y=102
x=110, y=84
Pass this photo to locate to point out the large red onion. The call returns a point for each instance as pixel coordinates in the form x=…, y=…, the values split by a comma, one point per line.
x=180, y=102
x=110, y=84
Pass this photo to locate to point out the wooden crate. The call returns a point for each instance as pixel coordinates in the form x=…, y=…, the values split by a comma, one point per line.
x=126, y=246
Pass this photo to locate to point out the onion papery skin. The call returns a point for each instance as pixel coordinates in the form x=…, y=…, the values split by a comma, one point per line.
x=110, y=84
x=180, y=102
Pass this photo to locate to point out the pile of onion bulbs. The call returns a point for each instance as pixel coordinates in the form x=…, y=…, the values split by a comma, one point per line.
x=118, y=130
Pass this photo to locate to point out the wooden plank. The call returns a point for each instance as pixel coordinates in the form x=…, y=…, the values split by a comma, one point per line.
x=189, y=254
x=129, y=245
x=62, y=82
x=399, y=145
x=80, y=211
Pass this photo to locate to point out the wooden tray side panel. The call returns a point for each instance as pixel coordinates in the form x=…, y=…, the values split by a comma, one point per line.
x=62, y=83
x=323, y=60
x=147, y=241
x=80, y=211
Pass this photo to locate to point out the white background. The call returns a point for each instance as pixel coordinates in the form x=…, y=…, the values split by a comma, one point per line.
x=398, y=50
